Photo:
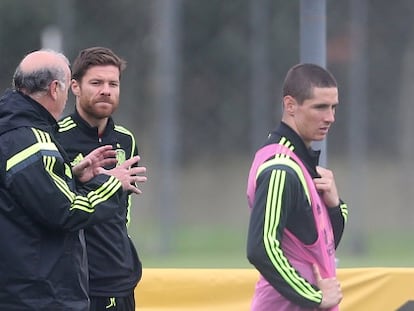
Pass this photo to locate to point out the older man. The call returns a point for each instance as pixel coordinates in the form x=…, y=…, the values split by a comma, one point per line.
x=43, y=207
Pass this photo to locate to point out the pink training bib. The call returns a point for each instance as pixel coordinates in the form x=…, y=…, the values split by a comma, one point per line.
x=301, y=256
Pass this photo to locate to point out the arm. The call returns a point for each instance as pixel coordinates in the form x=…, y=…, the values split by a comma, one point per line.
x=276, y=193
x=337, y=209
x=43, y=186
x=338, y=216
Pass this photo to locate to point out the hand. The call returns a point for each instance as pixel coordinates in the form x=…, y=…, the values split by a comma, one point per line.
x=327, y=187
x=331, y=289
x=129, y=176
x=86, y=169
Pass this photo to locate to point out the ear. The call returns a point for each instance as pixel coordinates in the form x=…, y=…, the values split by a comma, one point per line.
x=53, y=89
x=289, y=105
x=75, y=87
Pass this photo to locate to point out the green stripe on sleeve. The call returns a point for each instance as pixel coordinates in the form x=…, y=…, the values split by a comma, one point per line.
x=271, y=241
x=344, y=211
x=28, y=152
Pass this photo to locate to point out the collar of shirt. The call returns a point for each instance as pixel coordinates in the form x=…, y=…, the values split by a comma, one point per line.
x=309, y=156
x=91, y=130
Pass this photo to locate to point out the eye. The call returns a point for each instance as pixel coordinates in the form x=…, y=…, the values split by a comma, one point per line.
x=321, y=107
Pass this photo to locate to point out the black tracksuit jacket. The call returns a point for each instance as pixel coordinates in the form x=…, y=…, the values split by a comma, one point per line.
x=42, y=212
x=114, y=266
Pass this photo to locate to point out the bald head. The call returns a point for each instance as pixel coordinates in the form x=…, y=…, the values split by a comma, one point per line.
x=45, y=77
x=38, y=69
x=42, y=59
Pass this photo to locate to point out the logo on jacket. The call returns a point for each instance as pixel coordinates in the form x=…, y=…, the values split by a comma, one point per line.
x=120, y=156
x=77, y=159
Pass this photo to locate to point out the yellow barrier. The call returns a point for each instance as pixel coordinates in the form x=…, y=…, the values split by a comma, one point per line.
x=365, y=289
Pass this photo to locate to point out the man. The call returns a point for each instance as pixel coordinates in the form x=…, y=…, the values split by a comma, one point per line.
x=297, y=218
x=114, y=266
x=42, y=207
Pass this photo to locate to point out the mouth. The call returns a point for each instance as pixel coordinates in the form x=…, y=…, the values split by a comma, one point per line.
x=103, y=103
x=324, y=130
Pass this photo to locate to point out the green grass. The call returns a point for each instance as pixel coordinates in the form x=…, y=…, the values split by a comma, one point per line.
x=198, y=247
x=388, y=248
x=218, y=247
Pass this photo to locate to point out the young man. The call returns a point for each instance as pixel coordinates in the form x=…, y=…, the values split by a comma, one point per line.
x=42, y=206
x=114, y=266
x=297, y=218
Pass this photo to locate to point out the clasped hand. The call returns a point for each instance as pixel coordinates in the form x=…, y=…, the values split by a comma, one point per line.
x=94, y=163
x=325, y=184
x=330, y=287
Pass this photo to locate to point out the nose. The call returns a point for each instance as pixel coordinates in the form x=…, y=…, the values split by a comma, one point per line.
x=105, y=90
x=330, y=115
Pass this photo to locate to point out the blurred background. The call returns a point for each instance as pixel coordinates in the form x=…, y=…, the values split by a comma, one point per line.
x=201, y=91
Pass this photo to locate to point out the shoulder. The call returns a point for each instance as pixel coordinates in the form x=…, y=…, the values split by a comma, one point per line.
x=125, y=135
x=26, y=145
x=123, y=130
x=284, y=164
x=283, y=171
x=126, y=140
x=23, y=137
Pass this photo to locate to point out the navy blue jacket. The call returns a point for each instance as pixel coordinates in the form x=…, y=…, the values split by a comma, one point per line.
x=42, y=212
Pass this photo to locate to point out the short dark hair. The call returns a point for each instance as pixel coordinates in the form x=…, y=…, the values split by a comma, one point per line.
x=302, y=78
x=95, y=56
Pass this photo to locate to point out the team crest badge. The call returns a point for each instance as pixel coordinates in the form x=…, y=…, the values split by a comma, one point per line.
x=76, y=160
x=120, y=156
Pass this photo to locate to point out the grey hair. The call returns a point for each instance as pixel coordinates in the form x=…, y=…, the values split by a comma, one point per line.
x=38, y=80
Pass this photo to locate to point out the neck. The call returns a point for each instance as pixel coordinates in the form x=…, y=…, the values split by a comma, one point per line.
x=94, y=122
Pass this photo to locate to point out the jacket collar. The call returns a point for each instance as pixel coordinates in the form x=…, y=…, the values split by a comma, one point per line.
x=91, y=130
x=309, y=156
x=19, y=110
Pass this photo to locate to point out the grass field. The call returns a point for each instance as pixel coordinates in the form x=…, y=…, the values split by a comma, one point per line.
x=225, y=248
x=211, y=217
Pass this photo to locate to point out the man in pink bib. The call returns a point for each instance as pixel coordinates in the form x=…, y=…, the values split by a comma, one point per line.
x=297, y=218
